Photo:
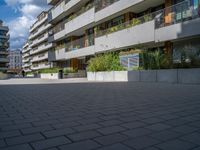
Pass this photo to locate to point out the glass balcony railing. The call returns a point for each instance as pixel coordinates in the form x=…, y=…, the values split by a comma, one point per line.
x=177, y=13
x=101, y=4
x=128, y=24
x=181, y=12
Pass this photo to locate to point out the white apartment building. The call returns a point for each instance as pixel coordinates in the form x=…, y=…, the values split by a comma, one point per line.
x=38, y=43
x=15, y=61
x=80, y=29
x=26, y=58
x=4, y=45
x=83, y=28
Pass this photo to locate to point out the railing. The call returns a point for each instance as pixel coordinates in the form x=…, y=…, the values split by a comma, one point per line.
x=80, y=43
x=177, y=13
x=59, y=27
x=77, y=44
x=101, y=4
x=128, y=24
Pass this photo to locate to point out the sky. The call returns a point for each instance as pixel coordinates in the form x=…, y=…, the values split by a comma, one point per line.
x=19, y=15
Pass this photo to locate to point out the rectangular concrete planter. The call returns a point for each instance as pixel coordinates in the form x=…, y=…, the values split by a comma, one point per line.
x=49, y=76
x=182, y=76
x=148, y=75
x=167, y=75
x=191, y=76
x=3, y=76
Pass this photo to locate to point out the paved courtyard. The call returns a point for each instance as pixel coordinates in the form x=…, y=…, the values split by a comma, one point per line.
x=100, y=116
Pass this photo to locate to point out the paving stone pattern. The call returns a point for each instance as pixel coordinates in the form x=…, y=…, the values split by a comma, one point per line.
x=100, y=116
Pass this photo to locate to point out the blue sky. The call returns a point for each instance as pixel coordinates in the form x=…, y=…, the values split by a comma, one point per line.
x=19, y=15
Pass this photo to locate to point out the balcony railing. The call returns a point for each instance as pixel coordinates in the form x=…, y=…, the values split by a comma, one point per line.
x=77, y=44
x=101, y=4
x=128, y=24
x=177, y=13
x=181, y=12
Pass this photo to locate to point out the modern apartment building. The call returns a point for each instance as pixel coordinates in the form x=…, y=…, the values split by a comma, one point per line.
x=38, y=43
x=15, y=61
x=26, y=58
x=83, y=28
x=4, y=45
x=73, y=31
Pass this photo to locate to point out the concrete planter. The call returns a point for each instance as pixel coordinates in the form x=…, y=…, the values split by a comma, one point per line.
x=148, y=75
x=182, y=76
x=189, y=76
x=49, y=76
x=3, y=76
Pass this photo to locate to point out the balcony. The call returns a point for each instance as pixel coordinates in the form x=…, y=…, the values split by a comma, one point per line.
x=39, y=31
x=26, y=60
x=81, y=20
x=3, y=68
x=57, y=11
x=26, y=65
x=124, y=35
x=74, y=49
x=4, y=60
x=40, y=57
x=106, y=9
x=41, y=48
x=40, y=66
x=38, y=23
x=62, y=9
x=179, y=21
x=39, y=39
x=25, y=55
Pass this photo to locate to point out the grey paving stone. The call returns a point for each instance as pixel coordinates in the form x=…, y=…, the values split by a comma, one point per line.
x=53, y=142
x=36, y=129
x=84, y=135
x=2, y=143
x=18, y=147
x=115, y=147
x=185, y=129
x=24, y=139
x=86, y=127
x=176, y=145
x=132, y=125
x=193, y=137
x=110, y=122
x=137, y=132
x=141, y=142
x=58, y=132
x=111, y=139
x=84, y=145
x=111, y=129
x=6, y=134
x=158, y=127
x=165, y=135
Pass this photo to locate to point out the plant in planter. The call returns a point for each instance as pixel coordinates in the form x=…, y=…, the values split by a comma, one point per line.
x=50, y=70
x=105, y=62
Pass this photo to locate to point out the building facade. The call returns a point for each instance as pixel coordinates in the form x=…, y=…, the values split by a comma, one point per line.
x=15, y=61
x=4, y=45
x=26, y=58
x=81, y=29
x=36, y=51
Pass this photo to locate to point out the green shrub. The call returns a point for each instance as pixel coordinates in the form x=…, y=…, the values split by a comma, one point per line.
x=154, y=60
x=50, y=70
x=105, y=62
x=69, y=70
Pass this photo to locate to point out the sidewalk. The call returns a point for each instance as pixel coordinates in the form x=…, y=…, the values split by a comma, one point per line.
x=19, y=81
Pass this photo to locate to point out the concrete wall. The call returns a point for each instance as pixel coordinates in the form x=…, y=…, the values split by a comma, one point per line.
x=180, y=30
x=80, y=21
x=115, y=8
x=80, y=52
x=127, y=37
